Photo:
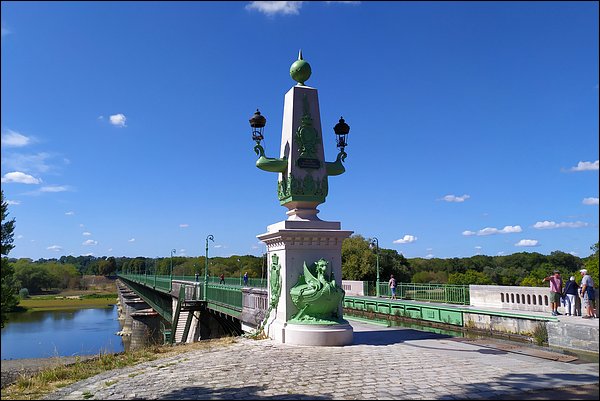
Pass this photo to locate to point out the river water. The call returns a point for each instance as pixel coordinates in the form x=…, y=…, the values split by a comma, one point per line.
x=72, y=332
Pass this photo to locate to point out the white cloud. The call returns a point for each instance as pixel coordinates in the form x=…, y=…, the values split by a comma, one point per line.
x=86, y=234
x=184, y=225
x=131, y=240
x=585, y=166
x=118, y=120
x=271, y=8
x=32, y=163
x=54, y=188
x=217, y=246
x=21, y=178
x=12, y=202
x=453, y=198
x=20, y=236
x=527, y=242
x=429, y=256
x=13, y=139
x=407, y=239
x=70, y=213
x=505, y=230
x=543, y=225
x=468, y=233
x=89, y=242
x=55, y=248
x=590, y=201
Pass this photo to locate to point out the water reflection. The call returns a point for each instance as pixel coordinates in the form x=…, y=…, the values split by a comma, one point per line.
x=61, y=333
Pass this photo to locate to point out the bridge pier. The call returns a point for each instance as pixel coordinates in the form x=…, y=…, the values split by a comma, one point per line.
x=145, y=328
x=132, y=305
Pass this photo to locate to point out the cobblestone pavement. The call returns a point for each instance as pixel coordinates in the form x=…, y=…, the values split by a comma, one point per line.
x=383, y=363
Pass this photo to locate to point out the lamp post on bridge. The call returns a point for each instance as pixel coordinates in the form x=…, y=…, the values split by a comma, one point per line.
x=171, y=270
x=375, y=244
x=210, y=237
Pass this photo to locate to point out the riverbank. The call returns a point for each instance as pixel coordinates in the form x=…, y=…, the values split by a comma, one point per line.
x=13, y=369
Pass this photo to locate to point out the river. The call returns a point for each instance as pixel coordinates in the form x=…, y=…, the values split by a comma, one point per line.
x=71, y=332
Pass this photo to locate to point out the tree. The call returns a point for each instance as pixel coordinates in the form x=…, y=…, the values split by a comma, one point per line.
x=358, y=261
x=469, y=277
x=9, y=293
x=591, y=264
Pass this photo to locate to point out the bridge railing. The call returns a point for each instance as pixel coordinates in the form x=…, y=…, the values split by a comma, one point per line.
x=224, y=295
x=158, y=282
x=236, y=281
x=445, y=293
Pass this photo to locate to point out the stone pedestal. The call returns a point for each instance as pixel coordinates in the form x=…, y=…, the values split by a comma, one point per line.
x=296, y=242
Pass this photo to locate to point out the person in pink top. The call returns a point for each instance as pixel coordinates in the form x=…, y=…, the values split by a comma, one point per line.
x=555, y=291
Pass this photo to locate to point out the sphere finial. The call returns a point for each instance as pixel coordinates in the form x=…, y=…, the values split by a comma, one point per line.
x=300, y=71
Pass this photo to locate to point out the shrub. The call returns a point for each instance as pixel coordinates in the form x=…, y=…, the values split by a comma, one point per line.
x=23, y=293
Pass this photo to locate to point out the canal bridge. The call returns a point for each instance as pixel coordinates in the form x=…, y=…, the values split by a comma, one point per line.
x=183, y=309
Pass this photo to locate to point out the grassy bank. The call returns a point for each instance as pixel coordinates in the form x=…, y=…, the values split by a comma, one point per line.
x=48, y=380
x=68, y=300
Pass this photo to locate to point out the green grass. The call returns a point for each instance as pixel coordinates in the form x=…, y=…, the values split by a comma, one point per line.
x=53, y=302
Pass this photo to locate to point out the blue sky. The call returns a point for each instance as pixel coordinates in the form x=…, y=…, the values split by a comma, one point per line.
x=474, y=126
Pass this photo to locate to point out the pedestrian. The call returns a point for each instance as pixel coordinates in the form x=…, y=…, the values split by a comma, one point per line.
x=570, y=294
x=392, y=285
x=246, y=279
x=222, y=278
x=197, y=276
x=555, y=291
x=588, y=295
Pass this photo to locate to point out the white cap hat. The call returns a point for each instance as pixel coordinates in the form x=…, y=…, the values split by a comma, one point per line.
x=584, y=271
x=571, y=278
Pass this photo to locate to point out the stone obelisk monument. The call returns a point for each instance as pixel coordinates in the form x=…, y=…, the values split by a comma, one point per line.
x=304, y=252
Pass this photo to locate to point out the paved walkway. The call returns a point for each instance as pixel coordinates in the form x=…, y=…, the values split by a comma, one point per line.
x=383, y=363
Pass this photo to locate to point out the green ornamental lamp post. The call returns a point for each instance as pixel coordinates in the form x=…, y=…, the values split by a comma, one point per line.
x=210, y=237
x=375, y=245
x=302, y=183
x=304, y=252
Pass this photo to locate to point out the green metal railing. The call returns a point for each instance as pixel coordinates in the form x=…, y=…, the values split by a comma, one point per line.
x=444, y=293
x=163, y=281
x=158, y=282
x=225, y=295
x=236, y=281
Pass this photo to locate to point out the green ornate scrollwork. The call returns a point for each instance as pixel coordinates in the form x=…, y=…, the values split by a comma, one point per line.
x=307, y=188
x=269, y=163
x=275, y=281
x=336, y=167
x=306, y=134
x=317, y=298
x=275, y=287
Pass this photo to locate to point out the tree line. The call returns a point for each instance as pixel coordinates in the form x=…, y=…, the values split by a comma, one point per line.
x=359, y=262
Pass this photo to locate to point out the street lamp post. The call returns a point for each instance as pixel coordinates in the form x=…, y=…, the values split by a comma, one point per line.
x=210, y=237
x=171, y=271
x=375, y=244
